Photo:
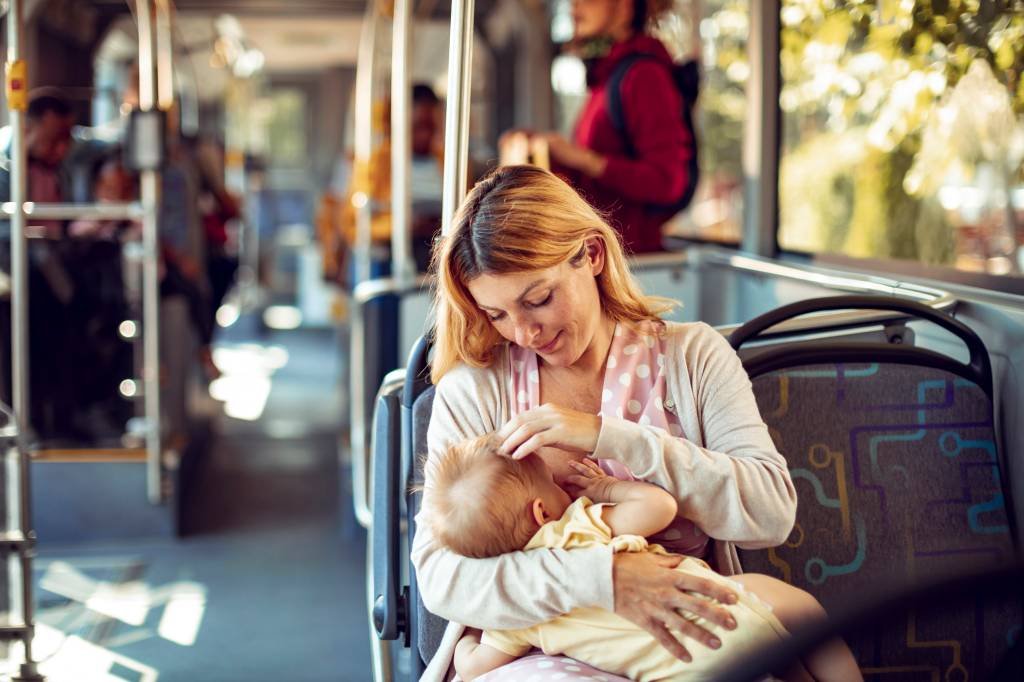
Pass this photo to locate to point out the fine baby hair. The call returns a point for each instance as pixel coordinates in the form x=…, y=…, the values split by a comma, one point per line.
x=479, y=500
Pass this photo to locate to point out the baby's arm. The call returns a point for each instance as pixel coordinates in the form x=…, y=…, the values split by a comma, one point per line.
x=640, y=508
x=473, y=659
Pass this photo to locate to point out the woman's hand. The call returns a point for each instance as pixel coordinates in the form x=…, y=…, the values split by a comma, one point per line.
x=514, y=147
x=549, y=425
x=574, y=156
x=651, y=595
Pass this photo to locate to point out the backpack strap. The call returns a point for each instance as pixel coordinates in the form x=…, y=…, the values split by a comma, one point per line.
x=614, y=94
x=687, y=81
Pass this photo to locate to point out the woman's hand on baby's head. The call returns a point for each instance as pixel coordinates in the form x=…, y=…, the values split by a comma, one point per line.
x=590, y=481
x=549, y=425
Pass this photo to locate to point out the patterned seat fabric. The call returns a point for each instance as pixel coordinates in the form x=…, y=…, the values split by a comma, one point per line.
x=898, y=480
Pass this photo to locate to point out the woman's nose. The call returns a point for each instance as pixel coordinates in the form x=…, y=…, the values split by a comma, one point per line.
x=526, y=332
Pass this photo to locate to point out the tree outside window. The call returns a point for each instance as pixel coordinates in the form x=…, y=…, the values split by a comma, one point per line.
x=903, y=131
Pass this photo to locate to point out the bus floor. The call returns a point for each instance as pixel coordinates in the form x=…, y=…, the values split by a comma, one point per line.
x=267, y=581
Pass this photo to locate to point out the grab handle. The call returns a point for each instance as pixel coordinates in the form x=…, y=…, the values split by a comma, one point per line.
x=979, y=365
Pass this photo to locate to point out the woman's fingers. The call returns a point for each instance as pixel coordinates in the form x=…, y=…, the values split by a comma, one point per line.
x=665, y=638
x=706, y=609
x=508, y=428
x=708, y=588
x=562, y=427
x=667, y=560
x=531, y=445
x=679, y=623
x=513, y=443
x=658, y=599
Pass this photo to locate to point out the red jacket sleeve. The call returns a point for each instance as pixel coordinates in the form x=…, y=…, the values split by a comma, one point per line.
x=652, y=109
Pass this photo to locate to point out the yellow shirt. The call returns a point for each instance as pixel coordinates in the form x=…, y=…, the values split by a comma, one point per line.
x=604, y=640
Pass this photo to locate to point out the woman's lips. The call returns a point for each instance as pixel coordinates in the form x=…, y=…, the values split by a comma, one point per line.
x=550, y=345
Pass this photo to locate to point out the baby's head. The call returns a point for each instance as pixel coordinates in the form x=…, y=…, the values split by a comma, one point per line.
x=482, y=504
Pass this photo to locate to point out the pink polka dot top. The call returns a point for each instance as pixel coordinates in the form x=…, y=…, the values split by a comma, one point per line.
x=634, y=389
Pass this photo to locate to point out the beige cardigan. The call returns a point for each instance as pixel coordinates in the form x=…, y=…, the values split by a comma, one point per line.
x=727, y=476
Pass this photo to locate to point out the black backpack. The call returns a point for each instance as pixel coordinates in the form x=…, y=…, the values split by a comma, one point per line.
x=687, y=79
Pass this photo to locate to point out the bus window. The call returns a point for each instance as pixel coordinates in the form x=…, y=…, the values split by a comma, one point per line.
x=902, y=132
x=716, y=213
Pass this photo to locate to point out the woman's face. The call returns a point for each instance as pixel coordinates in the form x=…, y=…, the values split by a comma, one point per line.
x=600, y=17
x=555, y=312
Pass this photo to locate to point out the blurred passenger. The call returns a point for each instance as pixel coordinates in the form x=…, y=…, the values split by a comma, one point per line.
x=48, y=123
x=112, y=182
x=336, y=216
x=217, y=208
x=183, y=245
x=100, y=357
x=427, y=174
x=633, y=153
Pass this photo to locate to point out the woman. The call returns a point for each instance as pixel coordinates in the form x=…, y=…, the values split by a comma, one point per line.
x=533, y=286
x=627, y=172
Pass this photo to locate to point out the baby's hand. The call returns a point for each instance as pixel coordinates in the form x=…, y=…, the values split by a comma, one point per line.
x=590, y=481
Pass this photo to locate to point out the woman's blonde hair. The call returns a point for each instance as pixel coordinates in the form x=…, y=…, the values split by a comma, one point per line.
x=517, y=219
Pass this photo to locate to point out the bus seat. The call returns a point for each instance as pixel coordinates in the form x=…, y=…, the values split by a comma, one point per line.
x=895, y=459
x=429, y=628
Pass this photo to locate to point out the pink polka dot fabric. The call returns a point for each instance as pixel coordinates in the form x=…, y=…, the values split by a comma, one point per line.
x=634, y=389
x=541, y=668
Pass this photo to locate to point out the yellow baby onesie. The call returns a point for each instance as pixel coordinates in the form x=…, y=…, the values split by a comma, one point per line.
x=607, y=641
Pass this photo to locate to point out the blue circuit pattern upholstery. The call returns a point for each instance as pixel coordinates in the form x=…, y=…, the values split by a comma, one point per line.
x=899, y=480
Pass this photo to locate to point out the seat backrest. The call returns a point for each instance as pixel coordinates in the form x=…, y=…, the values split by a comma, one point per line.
x=428, y=629
x=899, y=480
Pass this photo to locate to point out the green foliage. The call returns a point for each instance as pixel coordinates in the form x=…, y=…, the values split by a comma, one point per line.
x=723, y=99
x=876, y=70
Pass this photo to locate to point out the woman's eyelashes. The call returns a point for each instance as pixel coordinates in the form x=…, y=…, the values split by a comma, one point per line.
x=499, y=316
x=541, y=303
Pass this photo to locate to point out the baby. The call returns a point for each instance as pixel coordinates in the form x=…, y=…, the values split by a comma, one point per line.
x=482, y=504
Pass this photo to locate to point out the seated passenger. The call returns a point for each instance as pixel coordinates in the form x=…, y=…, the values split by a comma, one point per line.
x=535, y=312
x=484, y=505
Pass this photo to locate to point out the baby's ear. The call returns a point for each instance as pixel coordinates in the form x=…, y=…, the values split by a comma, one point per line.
x=539, y=514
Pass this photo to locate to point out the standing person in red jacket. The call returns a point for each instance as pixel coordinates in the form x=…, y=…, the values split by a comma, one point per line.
x=631, y=174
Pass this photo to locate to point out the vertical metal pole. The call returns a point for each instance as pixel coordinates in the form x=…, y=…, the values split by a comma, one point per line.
x=361, y=177
x=456, y=126
x=402, y=267
x=21, y=597
x=359, y=441
x=164, y=56
x=761, y=137
x=150, y=199
x=17, y=94
x=16, y=70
